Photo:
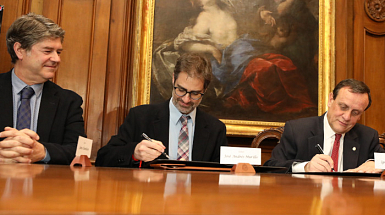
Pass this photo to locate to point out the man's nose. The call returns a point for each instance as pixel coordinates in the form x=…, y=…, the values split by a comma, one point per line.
x=55, y=57
x=186, y=98
x=346, y=116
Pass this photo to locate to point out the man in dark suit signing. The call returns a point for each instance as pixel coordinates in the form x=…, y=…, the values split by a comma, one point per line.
x=42, y=122
x=176, y=127
x=346, y=144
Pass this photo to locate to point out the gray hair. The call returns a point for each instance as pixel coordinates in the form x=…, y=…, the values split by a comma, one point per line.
x=30, y=29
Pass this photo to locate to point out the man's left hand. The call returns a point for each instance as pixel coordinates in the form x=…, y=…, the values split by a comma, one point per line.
x=27, y=139
x=367, y=167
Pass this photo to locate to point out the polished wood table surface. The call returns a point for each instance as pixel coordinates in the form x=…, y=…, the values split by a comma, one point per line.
x=54, y=189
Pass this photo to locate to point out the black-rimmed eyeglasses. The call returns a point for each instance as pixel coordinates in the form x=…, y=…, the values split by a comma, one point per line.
x=196, y=95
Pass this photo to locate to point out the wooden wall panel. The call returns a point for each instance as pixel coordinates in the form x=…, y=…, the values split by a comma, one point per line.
x=12, y=10
x=344, y=40
x=119, y=67
x=94, y=105
x=50, y=9
x=76, y=20
x=368, y=63
x=374, y=76
x=113, y=102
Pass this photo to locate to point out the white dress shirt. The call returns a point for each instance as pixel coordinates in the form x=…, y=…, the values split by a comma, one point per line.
x=174, y=129
x=329, y=137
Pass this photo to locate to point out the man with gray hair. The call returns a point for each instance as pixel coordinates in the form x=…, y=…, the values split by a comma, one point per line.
x=42, y=121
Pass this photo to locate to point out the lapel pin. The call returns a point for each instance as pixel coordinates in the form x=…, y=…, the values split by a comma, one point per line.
x=354, y=149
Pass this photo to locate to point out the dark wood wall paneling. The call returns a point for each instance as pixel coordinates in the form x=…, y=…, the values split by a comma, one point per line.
x=369, y=59
x=97, y=58
x=360, y=47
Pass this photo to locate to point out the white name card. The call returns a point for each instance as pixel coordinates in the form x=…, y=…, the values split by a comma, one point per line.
x=84, y=147
x=379, y=160
x=235, y=155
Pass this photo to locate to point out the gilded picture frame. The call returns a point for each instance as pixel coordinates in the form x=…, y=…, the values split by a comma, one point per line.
x=143, y=57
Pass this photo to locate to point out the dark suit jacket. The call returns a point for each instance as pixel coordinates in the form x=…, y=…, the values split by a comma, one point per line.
x=60, y=120
x=300, y=137
x=210, y=134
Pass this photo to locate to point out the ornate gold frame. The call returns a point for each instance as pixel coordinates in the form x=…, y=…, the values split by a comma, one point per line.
x=143, y=56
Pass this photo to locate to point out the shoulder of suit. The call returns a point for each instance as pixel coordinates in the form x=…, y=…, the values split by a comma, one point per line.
x=307, y=122
x=5, y=75
x=60, y=90
x=209, y=118
x=150, y=107
x=363, y=129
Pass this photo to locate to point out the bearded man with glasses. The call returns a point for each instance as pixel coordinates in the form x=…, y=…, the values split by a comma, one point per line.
x=176, y=127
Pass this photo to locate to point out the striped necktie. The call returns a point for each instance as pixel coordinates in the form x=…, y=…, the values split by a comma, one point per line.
x=183, y=143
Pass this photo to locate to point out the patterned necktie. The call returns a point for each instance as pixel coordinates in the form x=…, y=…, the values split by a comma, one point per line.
x=24, y=111
x=336, y=148
x=183, y=145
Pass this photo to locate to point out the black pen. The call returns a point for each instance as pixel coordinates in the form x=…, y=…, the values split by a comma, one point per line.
x=147, y=138
x=321, y=152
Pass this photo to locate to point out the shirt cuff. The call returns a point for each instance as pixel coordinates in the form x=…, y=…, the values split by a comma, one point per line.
x=298, y=166
x=47, y=157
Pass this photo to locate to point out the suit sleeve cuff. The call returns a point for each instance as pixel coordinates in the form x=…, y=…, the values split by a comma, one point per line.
x=136, y=161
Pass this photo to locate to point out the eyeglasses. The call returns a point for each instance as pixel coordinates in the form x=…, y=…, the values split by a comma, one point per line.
x=195, y=95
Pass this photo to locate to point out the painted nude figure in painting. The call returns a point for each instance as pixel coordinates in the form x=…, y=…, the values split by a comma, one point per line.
x=263, y=55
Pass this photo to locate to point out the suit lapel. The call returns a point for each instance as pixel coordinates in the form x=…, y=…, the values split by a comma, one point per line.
x=162, y=125
x=201, y=136
x=351, y=150
x=48, y=107
x=318, y=138
x=6, y=98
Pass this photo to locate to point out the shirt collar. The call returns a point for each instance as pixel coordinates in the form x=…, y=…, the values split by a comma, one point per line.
x=18, y=85
x=175, y=114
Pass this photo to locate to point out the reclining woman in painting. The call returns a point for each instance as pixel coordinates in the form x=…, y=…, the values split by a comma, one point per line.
x=215, y=33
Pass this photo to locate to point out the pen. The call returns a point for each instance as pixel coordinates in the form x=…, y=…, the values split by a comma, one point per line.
x=321, y=152
x=147, y=138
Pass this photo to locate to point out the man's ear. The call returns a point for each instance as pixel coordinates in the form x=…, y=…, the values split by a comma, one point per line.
x=18, y=50
x=173, y=84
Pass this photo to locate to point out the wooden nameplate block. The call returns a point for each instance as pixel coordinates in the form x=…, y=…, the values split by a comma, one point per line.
x=383, y=174
x=243, y=168
x=81, y=160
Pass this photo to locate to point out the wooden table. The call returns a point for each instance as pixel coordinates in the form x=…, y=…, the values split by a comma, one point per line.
x=51, y=189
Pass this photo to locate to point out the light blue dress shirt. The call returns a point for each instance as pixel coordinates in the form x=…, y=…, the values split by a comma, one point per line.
x=174, y=129
x=17, y=86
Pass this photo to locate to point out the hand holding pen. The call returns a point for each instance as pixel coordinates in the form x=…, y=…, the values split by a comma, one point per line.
x=148, y=149
x=322, y=152
x=147, y=138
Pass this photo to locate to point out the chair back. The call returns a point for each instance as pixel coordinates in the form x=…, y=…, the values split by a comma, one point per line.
x=267, y=140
